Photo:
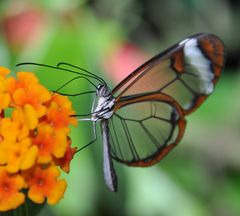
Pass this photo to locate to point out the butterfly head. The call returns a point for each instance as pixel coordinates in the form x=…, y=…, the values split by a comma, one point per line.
x=103, y=91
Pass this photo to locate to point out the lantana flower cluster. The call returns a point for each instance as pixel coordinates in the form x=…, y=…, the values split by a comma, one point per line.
x=34, y=141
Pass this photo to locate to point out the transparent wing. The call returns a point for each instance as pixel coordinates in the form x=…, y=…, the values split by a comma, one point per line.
x=145, y=129
x=187, y=72
x=152, y=101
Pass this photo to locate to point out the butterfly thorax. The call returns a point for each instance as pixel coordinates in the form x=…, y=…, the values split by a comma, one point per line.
x=103, y=107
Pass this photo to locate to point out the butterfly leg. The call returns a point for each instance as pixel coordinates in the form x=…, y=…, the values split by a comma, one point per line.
x=94, y=139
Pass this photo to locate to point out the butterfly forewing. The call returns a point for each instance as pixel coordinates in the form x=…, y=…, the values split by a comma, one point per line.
x=151, y=103
x=187, y=72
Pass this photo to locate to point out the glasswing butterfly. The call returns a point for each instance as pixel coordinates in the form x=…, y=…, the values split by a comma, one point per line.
x=143, y=118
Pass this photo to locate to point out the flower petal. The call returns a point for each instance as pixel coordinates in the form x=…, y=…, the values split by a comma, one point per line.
x=30, y=116
x=29, y=158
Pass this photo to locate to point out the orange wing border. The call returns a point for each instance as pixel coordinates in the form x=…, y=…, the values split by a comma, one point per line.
x=157, y=156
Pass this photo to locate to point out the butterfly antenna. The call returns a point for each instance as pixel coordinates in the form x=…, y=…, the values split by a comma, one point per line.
x=77, y=94
x=75, y=78
x=82, y=69
x=65, y=69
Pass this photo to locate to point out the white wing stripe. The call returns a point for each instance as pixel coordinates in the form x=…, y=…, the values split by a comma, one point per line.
x=199, y=63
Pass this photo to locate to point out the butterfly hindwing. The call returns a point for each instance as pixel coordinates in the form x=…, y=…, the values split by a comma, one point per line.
x=143, y=129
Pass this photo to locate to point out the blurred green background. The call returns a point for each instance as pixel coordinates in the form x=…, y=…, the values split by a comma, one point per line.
x=201, y=176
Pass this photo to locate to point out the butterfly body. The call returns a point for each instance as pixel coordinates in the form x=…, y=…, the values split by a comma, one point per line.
x=104, y=104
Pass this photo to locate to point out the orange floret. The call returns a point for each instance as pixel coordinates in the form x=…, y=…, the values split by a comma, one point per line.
x=9, y=128
x=10, y=186
x=60, y=112
x=44, y=183
x=50, y=143
x=21, y=156
x=27, y=90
